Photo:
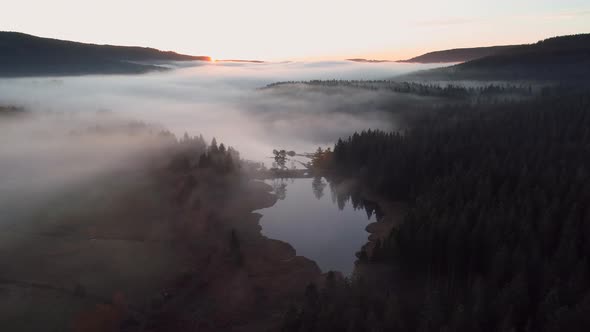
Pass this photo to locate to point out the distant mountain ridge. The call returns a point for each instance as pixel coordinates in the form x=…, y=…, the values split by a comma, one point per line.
x=368, y=60
x=26, y=55
x=448, y=56
x=561, y=58
x=459, y=54
x=240, y=61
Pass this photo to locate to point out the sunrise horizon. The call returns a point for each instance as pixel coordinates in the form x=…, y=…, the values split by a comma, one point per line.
x=329, y=30
x=385, y=55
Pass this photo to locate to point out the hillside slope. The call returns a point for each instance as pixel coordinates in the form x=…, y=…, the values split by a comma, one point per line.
x=562, y=58
x=27, y=55
x=459, y=54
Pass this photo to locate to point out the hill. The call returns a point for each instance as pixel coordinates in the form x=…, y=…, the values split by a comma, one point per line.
x=459, y=54
x=562, y=58
x=368, y=60
x=448, y=56
x=26, y=55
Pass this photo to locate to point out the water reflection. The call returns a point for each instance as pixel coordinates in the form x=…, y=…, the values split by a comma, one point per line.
x=318, y=184
x=279, y=186
x=328, y=229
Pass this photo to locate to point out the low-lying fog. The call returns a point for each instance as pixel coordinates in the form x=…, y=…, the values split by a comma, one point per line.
x=38, y=155
x=218, y=100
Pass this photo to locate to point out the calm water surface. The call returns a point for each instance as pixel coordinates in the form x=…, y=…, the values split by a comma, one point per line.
x=308, y=217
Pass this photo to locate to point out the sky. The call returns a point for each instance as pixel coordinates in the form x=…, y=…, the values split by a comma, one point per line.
x=303, y=29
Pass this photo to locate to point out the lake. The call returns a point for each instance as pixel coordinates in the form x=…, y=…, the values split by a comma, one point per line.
x=308, y=217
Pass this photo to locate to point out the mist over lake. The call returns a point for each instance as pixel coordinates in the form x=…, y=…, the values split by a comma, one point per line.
x=41, y=156
x=219, y=100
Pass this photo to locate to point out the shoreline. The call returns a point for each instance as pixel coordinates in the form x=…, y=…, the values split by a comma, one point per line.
x=244, y=287
x=177, y=251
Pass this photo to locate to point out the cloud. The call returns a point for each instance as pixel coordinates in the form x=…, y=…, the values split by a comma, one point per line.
x=566, y=15
x=447, y=22
x=553, y=16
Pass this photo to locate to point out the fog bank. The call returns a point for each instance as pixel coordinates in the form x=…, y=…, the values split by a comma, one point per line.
x=220, y=100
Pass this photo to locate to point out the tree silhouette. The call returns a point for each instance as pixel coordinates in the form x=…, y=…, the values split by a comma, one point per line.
x=280, y=158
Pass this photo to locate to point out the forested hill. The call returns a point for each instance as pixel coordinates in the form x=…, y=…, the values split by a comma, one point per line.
x=559, y=58
x=27, y=55
x=497, y=234
x=460, y=54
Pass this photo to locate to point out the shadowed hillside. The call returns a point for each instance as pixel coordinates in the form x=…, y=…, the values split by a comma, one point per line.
x=558, y=58
x=26, y=55
x=460, y=54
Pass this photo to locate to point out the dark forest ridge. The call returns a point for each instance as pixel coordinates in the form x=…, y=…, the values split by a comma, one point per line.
x=558, y=58
x=240, y=61
x=368, y=60
x=26, y=55
x=459, y=54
